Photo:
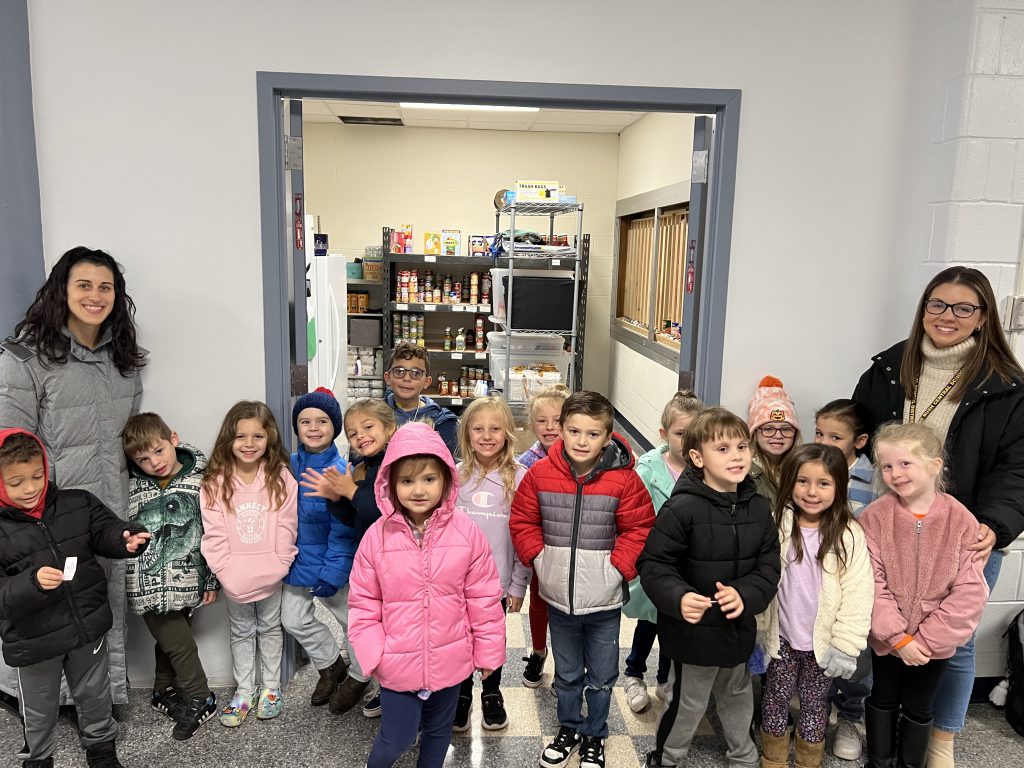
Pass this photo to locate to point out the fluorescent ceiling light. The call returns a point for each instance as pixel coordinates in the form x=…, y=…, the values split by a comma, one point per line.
x=482, y=107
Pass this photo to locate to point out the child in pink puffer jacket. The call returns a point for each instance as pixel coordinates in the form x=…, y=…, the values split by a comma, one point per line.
x=424, y=600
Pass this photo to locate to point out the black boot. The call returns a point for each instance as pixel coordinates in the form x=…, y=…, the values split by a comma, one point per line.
x=880, y=725
x=913, y=748
x=44, y=763
x=102, y=756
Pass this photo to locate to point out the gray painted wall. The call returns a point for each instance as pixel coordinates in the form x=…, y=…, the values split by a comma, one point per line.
x=21, y=232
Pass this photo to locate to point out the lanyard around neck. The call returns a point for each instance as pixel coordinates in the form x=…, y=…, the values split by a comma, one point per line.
x=938, y=398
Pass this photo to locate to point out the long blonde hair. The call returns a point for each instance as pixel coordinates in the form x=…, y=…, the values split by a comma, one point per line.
x=221, y=468
x=556, y=393
x=506, y=458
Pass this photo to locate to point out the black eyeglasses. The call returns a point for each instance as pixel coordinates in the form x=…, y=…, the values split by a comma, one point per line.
x=961, y=309
x=770, y=430
x=413, y=373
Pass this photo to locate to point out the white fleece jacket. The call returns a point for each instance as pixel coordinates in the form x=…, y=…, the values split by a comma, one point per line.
x=845, y=602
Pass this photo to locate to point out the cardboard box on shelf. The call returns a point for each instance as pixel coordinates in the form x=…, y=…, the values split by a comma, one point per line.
x=451, y=242
x=432, y=243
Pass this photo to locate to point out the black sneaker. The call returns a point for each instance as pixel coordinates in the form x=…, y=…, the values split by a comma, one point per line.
x=372, y=707
x=534, y=672
x=462, y=707
x=495, y=717
x=168, y=701
x=46, y=762
x=198, y=711
x=592, y=752
x=557, y=753
x=102, y=756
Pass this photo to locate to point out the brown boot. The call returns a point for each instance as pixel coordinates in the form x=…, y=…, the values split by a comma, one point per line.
x=775, y=750
x=808, y=754
x=329, y=679
x=347, y=695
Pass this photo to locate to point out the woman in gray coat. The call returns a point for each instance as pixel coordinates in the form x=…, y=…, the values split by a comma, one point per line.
x=70, y=374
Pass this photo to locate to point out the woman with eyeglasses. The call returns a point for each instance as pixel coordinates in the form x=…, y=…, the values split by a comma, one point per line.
x=774, y=431
x=957, y=375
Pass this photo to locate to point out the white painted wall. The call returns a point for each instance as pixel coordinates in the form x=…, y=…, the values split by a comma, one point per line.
x=146, y=128
x=361, y=178
x=654, y=152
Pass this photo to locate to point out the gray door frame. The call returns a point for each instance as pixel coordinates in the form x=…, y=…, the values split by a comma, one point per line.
x=272, y=87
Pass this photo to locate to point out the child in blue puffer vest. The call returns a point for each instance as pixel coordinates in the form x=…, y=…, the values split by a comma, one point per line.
x=326, y=545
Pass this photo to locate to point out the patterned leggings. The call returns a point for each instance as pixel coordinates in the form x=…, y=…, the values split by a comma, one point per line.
x=796, y=671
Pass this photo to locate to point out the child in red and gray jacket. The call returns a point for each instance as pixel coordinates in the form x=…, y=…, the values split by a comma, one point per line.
x=580, y=518
x=929, y=590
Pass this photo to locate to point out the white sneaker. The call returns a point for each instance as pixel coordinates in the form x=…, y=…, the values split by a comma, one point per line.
x=847, y=744
x=663, y=691
x=636, y=694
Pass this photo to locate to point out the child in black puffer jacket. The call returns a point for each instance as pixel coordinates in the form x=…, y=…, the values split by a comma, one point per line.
x=54, y=610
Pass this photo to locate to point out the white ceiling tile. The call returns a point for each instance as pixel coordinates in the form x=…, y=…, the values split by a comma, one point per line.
x=315, y=107
x=308, y=118
x=499, y=125
x=419, y=123
x=577, y=128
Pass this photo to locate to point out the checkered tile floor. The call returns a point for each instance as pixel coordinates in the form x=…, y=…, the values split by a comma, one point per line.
x=303, y=736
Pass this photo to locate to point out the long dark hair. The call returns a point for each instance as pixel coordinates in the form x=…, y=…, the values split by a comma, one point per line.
x=991, y=354
x=46, y=319
x=837, y=518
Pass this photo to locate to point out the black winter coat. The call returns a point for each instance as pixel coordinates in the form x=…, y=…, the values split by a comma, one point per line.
x=37, y=624
x=984, y=445
x=702, y=536
x=362, y=511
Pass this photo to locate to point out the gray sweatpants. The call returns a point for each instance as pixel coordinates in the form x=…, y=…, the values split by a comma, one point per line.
x=298, y=617
x=734, y=702
x=86, y=671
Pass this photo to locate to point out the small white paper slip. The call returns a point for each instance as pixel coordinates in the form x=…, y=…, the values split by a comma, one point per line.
x=70, y=566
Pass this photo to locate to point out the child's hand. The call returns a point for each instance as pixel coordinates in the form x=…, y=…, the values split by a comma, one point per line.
x=484, y=674
x=49, y=578
x=914, y=654
x=210, y=597
x=132, y=541
x=514, y=603
x=729, y=601
x=332, y=484
x=693, y=605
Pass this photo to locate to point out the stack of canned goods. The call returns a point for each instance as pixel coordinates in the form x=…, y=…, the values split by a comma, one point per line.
x=437, y=288
x=407, y=327
x=469, y=375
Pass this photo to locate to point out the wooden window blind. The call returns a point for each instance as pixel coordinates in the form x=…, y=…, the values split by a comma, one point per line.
x=641, y=302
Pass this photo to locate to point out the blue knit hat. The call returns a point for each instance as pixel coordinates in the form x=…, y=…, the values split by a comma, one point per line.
x=323, y=399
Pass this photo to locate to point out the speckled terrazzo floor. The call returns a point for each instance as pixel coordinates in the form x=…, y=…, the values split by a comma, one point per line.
x=303, y=736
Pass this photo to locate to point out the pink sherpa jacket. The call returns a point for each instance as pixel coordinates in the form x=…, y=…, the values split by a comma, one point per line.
x=927, y=584
x=424, y=617
x=251, y=545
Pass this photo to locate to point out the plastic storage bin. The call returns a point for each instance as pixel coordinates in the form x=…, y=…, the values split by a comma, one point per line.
x=524, y=382
x=524, y=342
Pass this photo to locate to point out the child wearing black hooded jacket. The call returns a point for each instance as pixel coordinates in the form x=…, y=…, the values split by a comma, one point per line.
x=54, y=610
x=710, y=565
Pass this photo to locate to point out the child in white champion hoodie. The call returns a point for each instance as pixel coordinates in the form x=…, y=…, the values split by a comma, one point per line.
x=489, y=475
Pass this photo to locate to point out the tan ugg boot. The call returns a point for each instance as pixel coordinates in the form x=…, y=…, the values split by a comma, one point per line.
x=809, y=754
x=775, y=750
x=940, y=752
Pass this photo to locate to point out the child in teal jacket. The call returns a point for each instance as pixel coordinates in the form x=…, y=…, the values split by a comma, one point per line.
x=659, y=469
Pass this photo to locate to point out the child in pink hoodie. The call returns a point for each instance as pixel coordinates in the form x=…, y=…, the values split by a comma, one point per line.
x=425, y=599
x=929, y=590
x=250, y=520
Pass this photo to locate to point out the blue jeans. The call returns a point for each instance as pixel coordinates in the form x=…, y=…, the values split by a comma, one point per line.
x=643, y=643
x=586, y=650
x=955, y=689
x=403, y=714
x=849, y=695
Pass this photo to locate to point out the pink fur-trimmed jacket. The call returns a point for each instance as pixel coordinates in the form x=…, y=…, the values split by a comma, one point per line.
x=927, y=583
x=424, y=617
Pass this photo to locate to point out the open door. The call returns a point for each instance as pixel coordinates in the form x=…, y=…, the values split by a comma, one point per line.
x=692, y=273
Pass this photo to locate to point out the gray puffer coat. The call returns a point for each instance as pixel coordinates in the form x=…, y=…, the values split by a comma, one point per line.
x=78, y=410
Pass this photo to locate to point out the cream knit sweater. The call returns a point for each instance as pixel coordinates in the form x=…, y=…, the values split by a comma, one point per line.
x=937, y=368
x=845, y=601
